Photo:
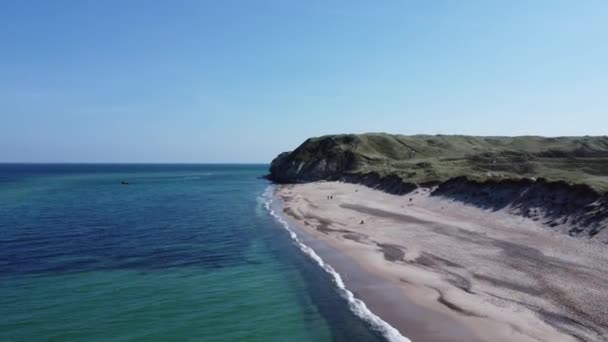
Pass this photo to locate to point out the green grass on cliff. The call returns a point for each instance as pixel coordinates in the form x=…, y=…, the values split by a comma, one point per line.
x=436, y=158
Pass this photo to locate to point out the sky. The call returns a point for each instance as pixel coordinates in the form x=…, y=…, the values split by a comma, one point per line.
x=240, y=81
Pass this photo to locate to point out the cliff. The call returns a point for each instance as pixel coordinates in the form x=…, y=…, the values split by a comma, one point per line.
x=561, y=181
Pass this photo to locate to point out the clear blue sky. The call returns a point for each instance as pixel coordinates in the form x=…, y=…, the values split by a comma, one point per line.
x=240, y=81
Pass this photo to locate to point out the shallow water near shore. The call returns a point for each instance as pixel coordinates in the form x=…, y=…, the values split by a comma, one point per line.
x=181, y=252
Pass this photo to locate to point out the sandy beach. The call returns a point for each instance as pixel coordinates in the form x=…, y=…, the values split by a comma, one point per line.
x=445, y=271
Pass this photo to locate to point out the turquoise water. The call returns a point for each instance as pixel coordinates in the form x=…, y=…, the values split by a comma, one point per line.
x=181, y=252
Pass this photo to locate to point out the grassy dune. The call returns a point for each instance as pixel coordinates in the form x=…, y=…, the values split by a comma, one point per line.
x=423, y=159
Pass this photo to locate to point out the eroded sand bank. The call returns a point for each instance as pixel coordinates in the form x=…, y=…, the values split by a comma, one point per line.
x=468, y=273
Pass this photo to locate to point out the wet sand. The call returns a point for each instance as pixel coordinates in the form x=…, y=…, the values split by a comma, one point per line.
x=443, y=271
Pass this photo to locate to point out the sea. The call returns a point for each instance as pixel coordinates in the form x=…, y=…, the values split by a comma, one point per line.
x=148, y=252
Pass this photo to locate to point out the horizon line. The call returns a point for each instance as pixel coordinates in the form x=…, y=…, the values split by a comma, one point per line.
x=134, y=163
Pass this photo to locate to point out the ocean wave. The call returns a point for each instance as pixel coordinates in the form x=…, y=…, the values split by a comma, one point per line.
x=199, y=175
x=194, y=177
x=356, y=305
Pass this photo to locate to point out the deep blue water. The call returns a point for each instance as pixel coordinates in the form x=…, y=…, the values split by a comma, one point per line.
x=181, y=252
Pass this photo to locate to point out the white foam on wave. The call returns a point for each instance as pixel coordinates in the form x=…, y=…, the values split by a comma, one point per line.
x=356, y=305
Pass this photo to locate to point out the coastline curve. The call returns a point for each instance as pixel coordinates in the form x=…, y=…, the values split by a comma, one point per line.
x=357, y=306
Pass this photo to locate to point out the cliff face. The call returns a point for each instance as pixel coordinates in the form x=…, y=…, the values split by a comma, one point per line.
x=559, y=181
x=574, y=209
x=316, y=159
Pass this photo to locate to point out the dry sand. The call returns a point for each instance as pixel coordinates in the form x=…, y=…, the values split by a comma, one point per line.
x=466, y=274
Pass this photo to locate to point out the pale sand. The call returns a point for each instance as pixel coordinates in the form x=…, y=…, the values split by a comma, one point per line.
x=467, y=274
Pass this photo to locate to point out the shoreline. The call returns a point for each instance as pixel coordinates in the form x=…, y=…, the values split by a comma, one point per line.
x=325, y=257
x=439, y=291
